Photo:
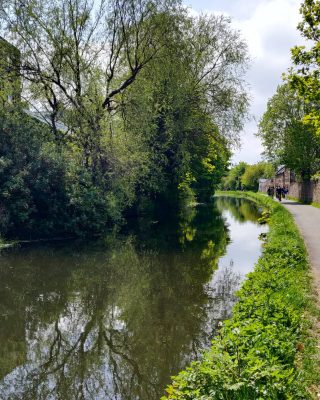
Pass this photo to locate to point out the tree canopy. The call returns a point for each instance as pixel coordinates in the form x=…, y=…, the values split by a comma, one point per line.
x=232, y=181
x=252, y=174
x=150, y=99
x=246, y=176
x=305, y=75
x=286, y=138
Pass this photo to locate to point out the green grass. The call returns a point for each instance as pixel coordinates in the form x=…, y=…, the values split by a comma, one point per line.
x=267, y=349
x=293, y=199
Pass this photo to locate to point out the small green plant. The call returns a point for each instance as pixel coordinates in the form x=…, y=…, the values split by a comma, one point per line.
x=265, y=217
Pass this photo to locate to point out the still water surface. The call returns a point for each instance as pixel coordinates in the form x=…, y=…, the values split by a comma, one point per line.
x=114, y=319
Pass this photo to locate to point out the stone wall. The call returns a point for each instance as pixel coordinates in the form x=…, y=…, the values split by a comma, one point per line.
x=316, y=192
x=264, y=184
x=305, y=192
x=294, y=190
x=301, y=191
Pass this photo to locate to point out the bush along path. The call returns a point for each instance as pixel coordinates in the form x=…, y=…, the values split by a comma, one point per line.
x=266, y=350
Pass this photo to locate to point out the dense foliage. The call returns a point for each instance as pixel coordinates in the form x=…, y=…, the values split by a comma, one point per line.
x=305, y=76
x=244, y=176
x=290, y=126
x=43, y=190
x=232, y=181
x=142, y=102
x=286, y=138
x=255, y=355
x=252, y=174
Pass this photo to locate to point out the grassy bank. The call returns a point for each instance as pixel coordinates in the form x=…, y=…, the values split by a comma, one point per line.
x=265, y=351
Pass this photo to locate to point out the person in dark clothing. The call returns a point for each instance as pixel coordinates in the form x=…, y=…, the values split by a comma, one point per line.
x=270, y=191
x=279, y=192
x=284, y=192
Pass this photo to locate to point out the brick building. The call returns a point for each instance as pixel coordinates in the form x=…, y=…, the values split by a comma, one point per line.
x=284, y=177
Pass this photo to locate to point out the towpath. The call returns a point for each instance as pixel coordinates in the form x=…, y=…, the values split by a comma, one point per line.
x=308, y=221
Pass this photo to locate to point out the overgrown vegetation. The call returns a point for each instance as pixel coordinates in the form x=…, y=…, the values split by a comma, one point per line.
x=290, y=126
x=304, y=75
x=142, y=104
x=286, y=138
x=243, y=176
x=259, y=353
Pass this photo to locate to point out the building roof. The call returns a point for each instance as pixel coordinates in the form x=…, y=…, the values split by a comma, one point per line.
x=280, y=169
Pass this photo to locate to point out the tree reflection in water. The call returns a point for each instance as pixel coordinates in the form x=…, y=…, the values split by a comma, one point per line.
x=241, y=209
x=114, y=319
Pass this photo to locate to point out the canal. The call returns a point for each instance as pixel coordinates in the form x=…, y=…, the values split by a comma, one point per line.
x=115, y=318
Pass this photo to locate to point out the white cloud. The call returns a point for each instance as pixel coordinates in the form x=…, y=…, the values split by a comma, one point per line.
x=269, y=28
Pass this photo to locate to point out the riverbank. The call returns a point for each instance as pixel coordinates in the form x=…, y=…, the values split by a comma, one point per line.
x=267, y=349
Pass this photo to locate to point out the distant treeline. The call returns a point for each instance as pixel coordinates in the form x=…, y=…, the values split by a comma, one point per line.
x=243, y=176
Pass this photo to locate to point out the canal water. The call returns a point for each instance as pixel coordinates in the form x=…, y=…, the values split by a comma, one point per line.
x=115, y=318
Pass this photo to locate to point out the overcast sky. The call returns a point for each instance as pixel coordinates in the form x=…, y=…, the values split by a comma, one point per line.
x=269, y=28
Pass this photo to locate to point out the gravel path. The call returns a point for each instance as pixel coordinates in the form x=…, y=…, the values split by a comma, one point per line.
x=308, y=221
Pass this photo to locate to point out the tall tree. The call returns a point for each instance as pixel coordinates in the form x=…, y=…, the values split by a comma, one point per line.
x=305, y=76
x=151, y=99
x=79, y=55
x=180, y=106
x=286, y=139
x=252, y=174
x=232, y=181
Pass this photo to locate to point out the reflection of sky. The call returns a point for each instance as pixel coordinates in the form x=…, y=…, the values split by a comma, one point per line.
x=245, y=247
x=71, y=326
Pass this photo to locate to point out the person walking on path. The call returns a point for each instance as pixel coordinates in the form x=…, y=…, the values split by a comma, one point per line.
x=270, y=191
x=285, y=192
x=279, y=192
